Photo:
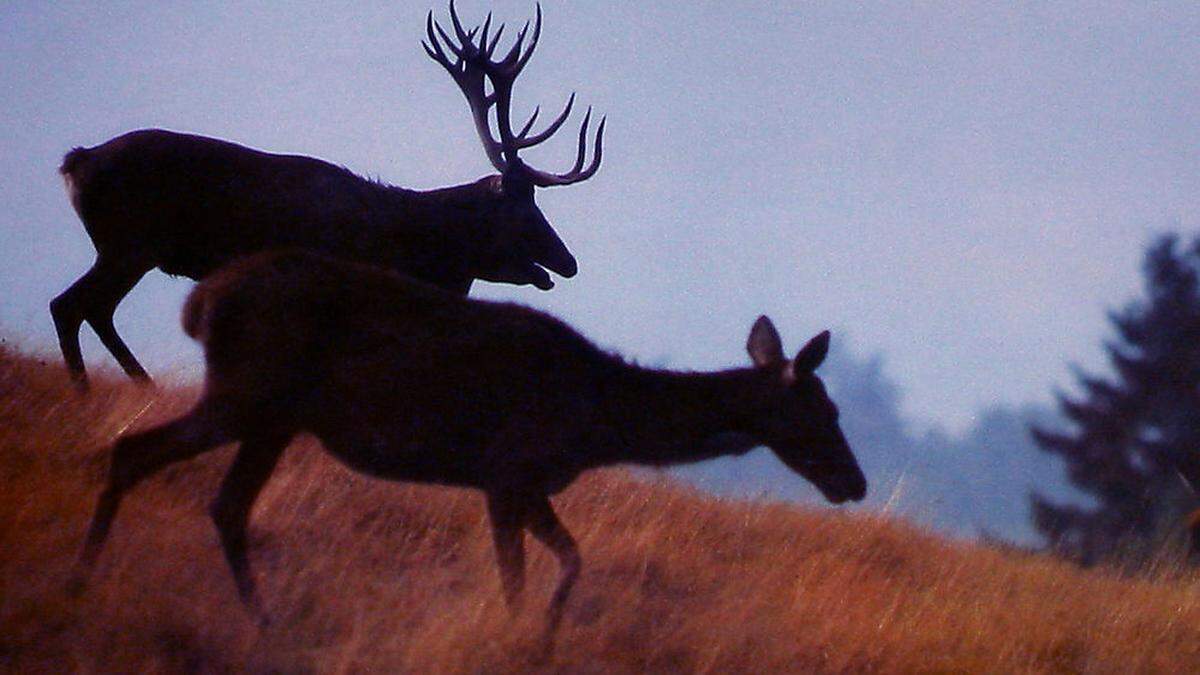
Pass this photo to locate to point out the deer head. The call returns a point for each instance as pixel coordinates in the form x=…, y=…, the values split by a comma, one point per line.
x=513, y=189
x=798, y=421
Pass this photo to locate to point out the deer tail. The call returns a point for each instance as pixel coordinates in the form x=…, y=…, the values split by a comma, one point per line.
x=70, y=171
x=71, y=160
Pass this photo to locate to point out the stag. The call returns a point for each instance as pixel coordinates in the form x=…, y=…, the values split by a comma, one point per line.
x=189, y=204
x=403, y=381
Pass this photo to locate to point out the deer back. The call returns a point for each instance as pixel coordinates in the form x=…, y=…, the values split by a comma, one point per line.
x=367, y=359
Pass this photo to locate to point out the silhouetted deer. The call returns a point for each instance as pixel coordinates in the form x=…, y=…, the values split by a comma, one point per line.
x=189, y=204
x=403, y=381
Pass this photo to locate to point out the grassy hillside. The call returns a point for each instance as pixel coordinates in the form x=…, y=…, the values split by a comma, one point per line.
x=360, y=574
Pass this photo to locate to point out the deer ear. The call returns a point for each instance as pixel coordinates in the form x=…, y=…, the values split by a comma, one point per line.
x=813, y=354
x=763, y=344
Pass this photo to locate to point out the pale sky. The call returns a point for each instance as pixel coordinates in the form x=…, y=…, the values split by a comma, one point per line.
x=964, y=188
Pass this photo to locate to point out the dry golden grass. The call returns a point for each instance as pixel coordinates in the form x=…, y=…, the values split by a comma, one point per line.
x=365, y=575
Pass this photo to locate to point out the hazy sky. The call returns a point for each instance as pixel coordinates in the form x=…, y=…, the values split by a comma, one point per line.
x=963, y=188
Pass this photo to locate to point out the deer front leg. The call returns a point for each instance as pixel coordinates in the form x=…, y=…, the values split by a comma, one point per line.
x=506, y=512
x=255, y=461
x=94, y=298
x=548, y=529
x=102, y=323
x=68, y=311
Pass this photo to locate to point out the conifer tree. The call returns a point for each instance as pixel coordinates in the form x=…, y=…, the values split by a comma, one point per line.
x=1133, y=443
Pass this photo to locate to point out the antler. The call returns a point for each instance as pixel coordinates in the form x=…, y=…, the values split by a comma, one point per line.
x=474, y=61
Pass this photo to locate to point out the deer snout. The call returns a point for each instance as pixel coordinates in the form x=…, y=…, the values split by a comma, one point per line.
x=843, y=481
x=561, y=263
x=855, y=489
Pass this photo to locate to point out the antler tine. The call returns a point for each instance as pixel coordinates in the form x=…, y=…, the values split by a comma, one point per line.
x=599, y=153
x=450, y=44
x=435, y=51
x=544, y=179
x=495, y=39
x=429, y=50
x=483, y=35
x=525, y=129
x=579, y=155
x=533, y=41
x=433, y=55
x=528, y=142
x=458, y=29
x=515, y=51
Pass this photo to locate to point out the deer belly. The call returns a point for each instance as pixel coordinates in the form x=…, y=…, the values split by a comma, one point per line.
x=421, y=458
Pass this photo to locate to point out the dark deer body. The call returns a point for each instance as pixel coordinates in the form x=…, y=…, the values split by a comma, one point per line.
x=188, y=204
x=403, y=381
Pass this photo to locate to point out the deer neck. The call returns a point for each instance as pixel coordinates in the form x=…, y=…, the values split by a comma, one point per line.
x=664, y=417
x=430, y=234
x=453, y=206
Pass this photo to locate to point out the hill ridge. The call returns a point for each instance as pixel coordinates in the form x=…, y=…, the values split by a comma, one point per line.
x=360, y=574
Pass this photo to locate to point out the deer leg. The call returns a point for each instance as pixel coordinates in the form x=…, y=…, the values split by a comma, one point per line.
x=136, y=456
x=508, y=535
x=94, y=298
x=102, y=323
x=548, y=529
x=109, y=294
x=67, y=313
x=255, y=461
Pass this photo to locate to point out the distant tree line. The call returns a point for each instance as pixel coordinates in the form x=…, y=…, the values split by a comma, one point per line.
x=965, y=484
x=1133, y=442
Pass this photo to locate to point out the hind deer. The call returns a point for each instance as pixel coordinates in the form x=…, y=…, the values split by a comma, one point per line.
x=403, y=381
x=189, y=204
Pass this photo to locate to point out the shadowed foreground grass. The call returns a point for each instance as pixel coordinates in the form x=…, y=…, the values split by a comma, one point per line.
x=360, y=574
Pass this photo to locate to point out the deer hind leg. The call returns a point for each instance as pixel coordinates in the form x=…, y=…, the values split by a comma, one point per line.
x=255, y=461
x=548, y=529
x=508, y=535
x=94, y=298
x=136, y=456
x=67, y=312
